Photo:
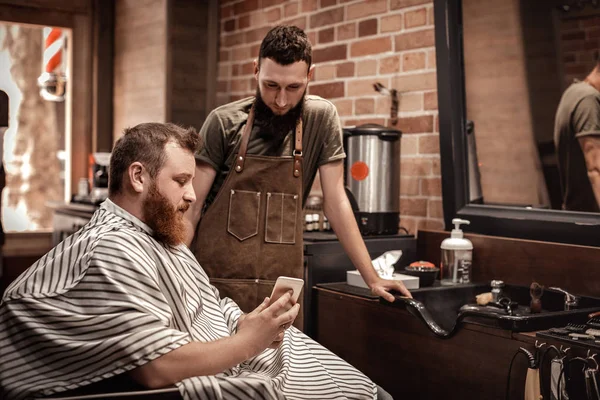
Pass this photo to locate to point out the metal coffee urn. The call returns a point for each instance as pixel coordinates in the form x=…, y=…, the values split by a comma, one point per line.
x=372, y=177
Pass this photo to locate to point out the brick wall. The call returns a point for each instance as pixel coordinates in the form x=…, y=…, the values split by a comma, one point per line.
x=355, y=44
x=579, y=43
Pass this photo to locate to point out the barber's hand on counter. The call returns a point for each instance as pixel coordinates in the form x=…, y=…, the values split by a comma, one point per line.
x=382, y=287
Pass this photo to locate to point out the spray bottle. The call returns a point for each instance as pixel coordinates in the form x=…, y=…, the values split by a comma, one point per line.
x=457, y=254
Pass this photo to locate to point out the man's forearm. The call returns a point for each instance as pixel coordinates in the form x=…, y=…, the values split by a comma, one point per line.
x=192, y=359
x=342, y=221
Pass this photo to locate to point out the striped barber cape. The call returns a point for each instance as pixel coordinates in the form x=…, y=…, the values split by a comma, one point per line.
x=110, y=298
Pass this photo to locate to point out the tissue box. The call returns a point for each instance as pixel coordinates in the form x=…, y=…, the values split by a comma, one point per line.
x=353, y=278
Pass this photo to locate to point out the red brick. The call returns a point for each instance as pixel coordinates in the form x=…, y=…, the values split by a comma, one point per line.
x=367, y=27
x=346, y=31
x=416, y=167
x=325, y=72
x=414, y=40
x=429, y=144
x=290, y=9
x=241, y=54
x=432, y=224
x=435, y=208
x=414, y=82
x=392, y=23
x=222, y=86
x=328, y=90
x=430, y=101
x=595, y=21
x=578, y=35
x=336, y=52
x=397, y=4
x=362, y=87
x=273, y=14
x=389, y=65
x=430, y=17
x=415, y=18
x=408, y=186
x=245, y=6
x=229, y=25
x=328, y=3
x=312, y=36
x=576, y=69
x=435, y=167
x=257, y=35
x=326, y=35
x=344, y=107
x=224, y=55
x=413, y=206
x=232, y=40
x=431, y=60
x=247, y=68
x=366, y=68
x=235, y=70
x=413, y=61
x=419, y=124
x=328, y=17
x=408, y=145
x=244, y=22
x=431, y=187
x=300, y=22
x=364, y=106
x=365, y=8
x=569, y=58
x=239, y=85
x=226, y=11
x=309, y=5
x=371, y=46
x=345, y=70
x=593, y=33
x=411, y=102
x=269, y=3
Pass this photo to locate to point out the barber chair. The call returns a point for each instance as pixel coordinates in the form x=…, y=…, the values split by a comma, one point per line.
x=121, y=387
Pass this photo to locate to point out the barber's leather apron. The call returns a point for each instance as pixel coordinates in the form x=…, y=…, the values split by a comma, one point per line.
x=252, y=233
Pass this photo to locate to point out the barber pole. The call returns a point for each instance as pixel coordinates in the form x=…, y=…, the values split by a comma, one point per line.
x=53, y=80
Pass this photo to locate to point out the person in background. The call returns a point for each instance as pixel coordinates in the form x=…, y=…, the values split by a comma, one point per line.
x=577, y=142
x=125, y=296
x=258, y=161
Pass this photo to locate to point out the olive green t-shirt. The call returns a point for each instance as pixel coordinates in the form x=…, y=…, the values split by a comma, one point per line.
x=221, y=133
x=578, y=115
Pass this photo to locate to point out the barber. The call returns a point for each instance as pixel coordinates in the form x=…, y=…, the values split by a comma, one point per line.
x=255, y=167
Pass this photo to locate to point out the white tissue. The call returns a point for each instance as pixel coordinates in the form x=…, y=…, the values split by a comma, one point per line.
x=384, y=264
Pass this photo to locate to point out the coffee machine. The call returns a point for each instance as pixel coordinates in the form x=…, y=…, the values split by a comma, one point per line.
x=372, y=177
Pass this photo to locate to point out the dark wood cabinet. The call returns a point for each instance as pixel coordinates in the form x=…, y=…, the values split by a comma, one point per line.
x=399, y=353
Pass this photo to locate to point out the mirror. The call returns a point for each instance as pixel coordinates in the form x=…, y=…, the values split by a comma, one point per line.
x=502, y=68
x=519, y=57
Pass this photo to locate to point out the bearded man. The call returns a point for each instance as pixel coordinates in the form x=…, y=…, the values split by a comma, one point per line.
x=124, y=300
x=259, y=158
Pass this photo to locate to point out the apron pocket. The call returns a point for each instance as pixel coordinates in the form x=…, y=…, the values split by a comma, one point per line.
x=242, y=218
x=281, y=217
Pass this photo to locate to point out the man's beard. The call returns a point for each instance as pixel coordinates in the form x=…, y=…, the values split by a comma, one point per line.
x=275, y=127
x=165, y=220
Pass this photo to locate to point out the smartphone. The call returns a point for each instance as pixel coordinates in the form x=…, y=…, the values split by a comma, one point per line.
x=283, y=284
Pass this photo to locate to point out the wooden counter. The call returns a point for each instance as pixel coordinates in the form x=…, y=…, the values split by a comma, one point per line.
x=398, y=352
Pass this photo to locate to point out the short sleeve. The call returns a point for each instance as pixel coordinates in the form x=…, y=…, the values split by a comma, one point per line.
x=333, y=147
x=586, y=117
x=212, y=147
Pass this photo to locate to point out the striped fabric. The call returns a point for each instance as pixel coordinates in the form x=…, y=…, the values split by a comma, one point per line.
x=111, y=298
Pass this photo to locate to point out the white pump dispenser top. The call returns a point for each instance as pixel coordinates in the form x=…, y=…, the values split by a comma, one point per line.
x=456, y=241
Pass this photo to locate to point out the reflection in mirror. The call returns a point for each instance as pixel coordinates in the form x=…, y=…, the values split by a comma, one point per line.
x=519, y=58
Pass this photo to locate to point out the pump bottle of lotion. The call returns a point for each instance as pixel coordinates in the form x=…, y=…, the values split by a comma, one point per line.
x=457, y=254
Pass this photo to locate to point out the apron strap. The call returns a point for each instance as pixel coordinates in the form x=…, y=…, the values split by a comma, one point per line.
x=241, y=157
x=298, y=150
